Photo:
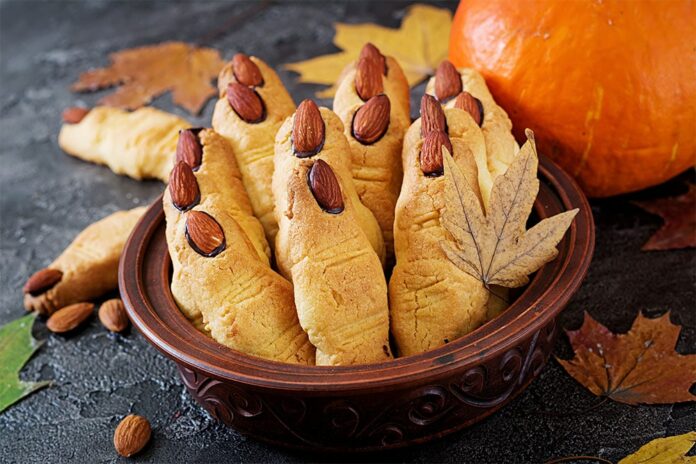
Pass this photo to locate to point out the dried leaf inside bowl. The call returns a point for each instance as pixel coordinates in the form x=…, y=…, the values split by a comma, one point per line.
x=496, y=247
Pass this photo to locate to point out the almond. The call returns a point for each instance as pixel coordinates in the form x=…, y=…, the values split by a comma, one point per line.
x=325, y=187
x=432, y=116
x=246, y=103
x=74, y=114
x=372, y=120
x=112, y=315
x=69, y=317
x=307, y=130
x=245, y=71
x=42, y=280
x=431, y=153
x=472, y=105
x=371, y=52
x=131, y=435
x=448, y=82
x=183, y=187
x=189, y=149
x=204, y=234
x=368, y=78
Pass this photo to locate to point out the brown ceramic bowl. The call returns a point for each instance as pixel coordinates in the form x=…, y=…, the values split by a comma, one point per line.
x=358, y=408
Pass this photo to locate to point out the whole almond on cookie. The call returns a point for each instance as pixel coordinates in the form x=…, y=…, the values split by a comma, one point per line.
x=69, y=317
x=325, y=187
x=112, y=315
x=74, y=114
x=371, y=120
x=431, y=161
x=448, y=82
x=204, y=234
x=307, y=130
x=368, y=78
x=432, y=116
x=183, y=187
x=245, y=71
x=472, y=105
x=131, y=435
x=369, y=51
x=189, y=149
x=41, y=281
x=245, y=102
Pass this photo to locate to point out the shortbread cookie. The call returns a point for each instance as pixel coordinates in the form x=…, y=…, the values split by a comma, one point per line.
x=139, y=144
x=87, y=269
x=432, y=302
x=252, y=106
x=211, y=157
x=314, y=133
x=340, y=290
x=220, y=281
x=375, y=129
x=449, y=83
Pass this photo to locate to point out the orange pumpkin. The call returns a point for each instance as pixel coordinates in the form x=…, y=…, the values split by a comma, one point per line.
x=609, y=87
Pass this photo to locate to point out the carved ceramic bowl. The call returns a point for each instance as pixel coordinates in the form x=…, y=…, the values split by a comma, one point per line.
x=357, y=408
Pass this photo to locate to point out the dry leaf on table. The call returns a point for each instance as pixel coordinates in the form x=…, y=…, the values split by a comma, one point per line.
x=496, y=248
x=418, y=45
x=679, y=214
x=640, y=366
x=668, y=450
x=144, y=73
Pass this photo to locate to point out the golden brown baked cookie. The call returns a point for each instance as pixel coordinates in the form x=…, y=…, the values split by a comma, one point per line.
x=253, y=104
x=220, y=280
x=449, y=83
x=139, y=144
x=316, y=133
x=340, y=290
x=87, y=269
x=432, y=302
x=211, y=157
x=375, y=129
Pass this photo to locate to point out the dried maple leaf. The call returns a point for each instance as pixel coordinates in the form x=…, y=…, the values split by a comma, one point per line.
x=679, y=214
x=668, y=450
x=640, y=366
x=418, y=45
x=147, y=72
x=496, y=247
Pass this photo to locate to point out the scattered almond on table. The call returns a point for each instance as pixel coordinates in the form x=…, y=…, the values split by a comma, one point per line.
x=69, y=317
x=112, y=315
x=131, y=435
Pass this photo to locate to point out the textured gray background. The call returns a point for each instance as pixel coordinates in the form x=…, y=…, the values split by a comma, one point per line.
x=48, y=197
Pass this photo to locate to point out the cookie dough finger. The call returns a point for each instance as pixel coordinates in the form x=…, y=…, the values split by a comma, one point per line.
x=252, y=106
x=87, y=269
x=138, y=144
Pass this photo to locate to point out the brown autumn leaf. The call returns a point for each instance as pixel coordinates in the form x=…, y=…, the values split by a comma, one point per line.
x=496, y=247
x=679, y=214
x=144, y=73
x=640, y=366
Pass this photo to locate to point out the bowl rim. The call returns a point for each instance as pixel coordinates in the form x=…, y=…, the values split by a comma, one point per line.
x=200, y=353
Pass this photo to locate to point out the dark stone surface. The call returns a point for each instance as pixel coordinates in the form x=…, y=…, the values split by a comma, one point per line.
x=47, y=197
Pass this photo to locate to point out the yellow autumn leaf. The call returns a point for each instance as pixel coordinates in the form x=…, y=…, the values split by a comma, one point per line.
x=418, y=45
x=669, y=450
x=496, y=247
